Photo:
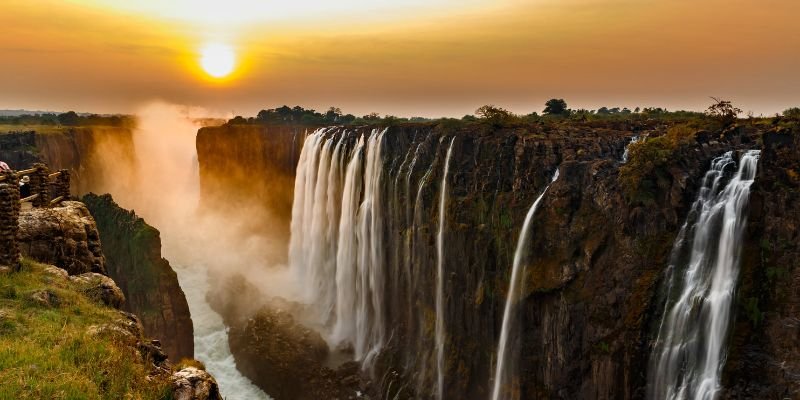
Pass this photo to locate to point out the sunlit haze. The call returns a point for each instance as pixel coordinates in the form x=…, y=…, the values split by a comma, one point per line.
x=407, y=58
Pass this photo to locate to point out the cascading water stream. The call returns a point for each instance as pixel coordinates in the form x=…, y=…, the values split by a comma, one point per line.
x=440, y=334
x=689, y=353
x=625, y=154
x=502, y=376
x=336, y=249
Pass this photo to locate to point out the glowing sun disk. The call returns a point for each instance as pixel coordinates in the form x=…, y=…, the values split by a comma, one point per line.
x=217, y=59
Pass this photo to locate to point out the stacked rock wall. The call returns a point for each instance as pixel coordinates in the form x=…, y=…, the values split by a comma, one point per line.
x=9, y=217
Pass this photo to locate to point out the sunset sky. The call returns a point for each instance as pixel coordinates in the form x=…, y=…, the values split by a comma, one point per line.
x=400, y=57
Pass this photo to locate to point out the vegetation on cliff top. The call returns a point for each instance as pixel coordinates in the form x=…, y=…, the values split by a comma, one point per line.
x=555, y=110
x=48, y=350
x=70, y=118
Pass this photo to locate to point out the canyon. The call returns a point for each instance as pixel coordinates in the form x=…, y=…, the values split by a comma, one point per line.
x=410, y=300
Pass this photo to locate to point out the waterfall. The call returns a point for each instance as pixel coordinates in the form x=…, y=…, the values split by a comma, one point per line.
x=502, y=377
x=625, y=154
x=689, y=353
x=440, y=338
x=336, y=250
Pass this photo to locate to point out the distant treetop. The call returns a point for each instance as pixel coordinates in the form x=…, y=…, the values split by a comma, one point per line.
x=69, y=118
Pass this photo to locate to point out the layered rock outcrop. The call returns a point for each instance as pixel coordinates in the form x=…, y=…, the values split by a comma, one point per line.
x=9, y=217
x=65, y=236
x=133, y=259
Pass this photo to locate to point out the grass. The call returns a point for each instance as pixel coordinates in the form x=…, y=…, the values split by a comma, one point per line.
x=41, y=129
x=46, y=352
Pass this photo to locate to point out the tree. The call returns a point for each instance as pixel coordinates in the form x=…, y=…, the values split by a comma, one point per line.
x=793, y=113
x=238, y=120
x=69, y=118
x=491, y=112
x=333, y=115
x=723, y=110
x=372, y=117
x=555, y=107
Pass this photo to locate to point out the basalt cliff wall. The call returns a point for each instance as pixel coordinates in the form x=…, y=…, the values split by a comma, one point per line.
x=596, y=258
x=249, y=170
x=84, y=151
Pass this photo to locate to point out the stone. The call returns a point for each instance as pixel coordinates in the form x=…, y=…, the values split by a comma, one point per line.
x=64, y=236
x=56, y=272
x=100, y=288
x=46, y=298
x=191, y=383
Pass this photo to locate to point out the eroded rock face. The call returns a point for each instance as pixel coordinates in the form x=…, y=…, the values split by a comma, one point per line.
x=65, y=236
x=133, y=259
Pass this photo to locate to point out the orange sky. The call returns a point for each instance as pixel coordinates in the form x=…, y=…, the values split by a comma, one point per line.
x=401, y=57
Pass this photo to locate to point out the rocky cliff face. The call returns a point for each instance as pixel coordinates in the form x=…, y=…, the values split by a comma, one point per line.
x=65, y=236
x=249, y=170
x=84, y=151
x=764, y=361
x=596, y=259
x=133, y=259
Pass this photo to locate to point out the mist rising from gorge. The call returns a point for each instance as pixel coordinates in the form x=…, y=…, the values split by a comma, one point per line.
x=205, y=245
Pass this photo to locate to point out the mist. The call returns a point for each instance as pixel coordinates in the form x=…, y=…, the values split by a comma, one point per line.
x=206, y=246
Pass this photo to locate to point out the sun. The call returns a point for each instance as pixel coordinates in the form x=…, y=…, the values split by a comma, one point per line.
x=217, y=59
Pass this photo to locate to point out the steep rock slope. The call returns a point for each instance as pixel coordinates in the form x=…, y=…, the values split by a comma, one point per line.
x=133, y=260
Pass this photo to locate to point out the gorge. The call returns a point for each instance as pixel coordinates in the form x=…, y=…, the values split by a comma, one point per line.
x=448, y=262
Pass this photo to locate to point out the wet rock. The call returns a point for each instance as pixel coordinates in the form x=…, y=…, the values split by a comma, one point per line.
x=278, y=354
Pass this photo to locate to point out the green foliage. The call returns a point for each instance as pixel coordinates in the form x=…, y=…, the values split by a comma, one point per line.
x=753, y=313
x=603, y=347
x=298, y=115
x=496, y=117
x=793, y=113
x=556, y=107
x=46, y=352
x=724, y=111
x=647, y=163
x=70, y=118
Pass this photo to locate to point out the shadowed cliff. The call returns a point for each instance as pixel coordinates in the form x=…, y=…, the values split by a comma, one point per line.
x=133, y=260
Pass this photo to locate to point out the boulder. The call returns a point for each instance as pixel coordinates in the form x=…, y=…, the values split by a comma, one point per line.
x=100, y=288
x=65, y=236
x=191, y=383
